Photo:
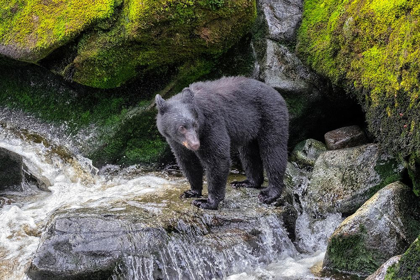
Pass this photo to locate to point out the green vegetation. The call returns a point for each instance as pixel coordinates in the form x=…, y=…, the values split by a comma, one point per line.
x=126, y=137
x=110, y=42
x=372, y=49
x=349, y=253
x=409, y=265
x=30, y=30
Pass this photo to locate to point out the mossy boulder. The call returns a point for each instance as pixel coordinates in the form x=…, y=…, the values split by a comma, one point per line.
x=372, y=49
x=342, y=180
x=383, y=227
x=408, y=267
x=106, y=43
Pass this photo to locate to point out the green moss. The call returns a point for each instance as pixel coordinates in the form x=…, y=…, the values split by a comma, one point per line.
x=413, y=168
x=349, y=254
x=111, y=41
x=30, y=30
x=152, y=34
x=408, y=267
x=371, y=48
x=390, y=171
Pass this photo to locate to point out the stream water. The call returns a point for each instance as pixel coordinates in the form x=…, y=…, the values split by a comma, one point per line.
x=74, y=183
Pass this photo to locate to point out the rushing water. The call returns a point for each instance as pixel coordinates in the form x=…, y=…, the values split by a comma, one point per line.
x=74, y=183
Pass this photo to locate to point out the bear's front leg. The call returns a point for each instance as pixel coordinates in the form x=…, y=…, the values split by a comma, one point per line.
x=191, y=167
x=217, y=171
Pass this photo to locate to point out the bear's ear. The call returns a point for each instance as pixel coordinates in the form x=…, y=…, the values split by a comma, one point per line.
x=160, y=103
x=188, y=95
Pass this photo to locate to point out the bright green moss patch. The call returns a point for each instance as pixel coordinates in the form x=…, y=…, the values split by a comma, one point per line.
x=30, y=30
x=152, y=34
x=105, y=43
x=371, y=48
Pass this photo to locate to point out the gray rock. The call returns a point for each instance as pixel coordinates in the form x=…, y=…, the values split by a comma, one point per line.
x=342, y=180
x=381, y=272
x=283, y=70
x=161, y=237
x=383, y=227
x=283, y=18
x=306, y=152
x=11, y=171
x=345, y=137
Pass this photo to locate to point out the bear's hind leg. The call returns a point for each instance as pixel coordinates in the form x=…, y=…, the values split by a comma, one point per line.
x=274, y=156
x=253, y=166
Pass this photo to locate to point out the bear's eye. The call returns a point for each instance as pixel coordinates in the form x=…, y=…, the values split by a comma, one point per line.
x=182, y=129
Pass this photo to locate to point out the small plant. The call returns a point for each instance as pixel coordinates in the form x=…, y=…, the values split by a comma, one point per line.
x=216, y=4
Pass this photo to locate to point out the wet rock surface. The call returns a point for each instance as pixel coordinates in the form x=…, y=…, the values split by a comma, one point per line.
x=383, y=227
x=161, y=237
x=345, y=137
x=342, y=180
x=11, y=171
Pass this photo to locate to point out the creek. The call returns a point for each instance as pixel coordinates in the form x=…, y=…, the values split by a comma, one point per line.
x=74, y=183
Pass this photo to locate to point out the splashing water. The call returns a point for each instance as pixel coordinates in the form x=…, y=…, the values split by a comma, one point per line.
x=74, y=183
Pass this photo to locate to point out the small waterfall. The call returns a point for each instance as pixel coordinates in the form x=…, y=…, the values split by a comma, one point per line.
x=265, y=252
x=187, y=256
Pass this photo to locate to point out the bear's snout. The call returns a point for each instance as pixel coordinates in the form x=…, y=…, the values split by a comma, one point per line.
x=191, y=141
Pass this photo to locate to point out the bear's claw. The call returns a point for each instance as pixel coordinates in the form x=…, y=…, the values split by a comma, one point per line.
x=204, y=204
x=244, y=184
x=190, y=193
x=268, y=196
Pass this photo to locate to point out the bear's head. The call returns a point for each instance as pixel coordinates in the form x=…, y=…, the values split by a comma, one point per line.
x=177, y=119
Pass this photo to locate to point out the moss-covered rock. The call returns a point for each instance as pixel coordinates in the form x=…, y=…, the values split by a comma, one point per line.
x=408, y=267
x=371, y=48
x=105, y=43
x=342, y=180
x=383, y=227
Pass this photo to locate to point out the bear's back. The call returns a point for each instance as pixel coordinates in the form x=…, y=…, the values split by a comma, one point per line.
x=241, y=103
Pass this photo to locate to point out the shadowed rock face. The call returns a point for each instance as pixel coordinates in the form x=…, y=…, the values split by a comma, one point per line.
x=11, y=170
x=161, y=237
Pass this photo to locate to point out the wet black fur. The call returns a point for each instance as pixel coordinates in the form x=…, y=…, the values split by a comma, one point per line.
x=231, y=113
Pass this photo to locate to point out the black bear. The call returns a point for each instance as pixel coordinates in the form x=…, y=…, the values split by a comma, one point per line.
x=208, y=119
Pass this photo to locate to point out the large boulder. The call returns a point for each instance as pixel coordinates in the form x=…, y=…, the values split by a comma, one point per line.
x=342, y=180
x=105, y=43
x=370, y=48
x=161, y=236
x=383, y=227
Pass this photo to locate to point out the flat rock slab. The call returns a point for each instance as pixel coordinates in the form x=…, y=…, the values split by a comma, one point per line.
x=345, y=137
x=161, y=237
